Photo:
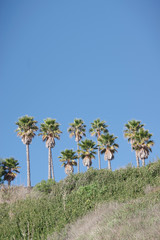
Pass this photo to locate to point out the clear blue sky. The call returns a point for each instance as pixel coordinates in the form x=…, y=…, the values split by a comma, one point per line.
x=78, y=59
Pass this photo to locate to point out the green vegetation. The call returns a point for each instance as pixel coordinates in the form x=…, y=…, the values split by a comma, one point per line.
x=137, y=219
x=51, y=206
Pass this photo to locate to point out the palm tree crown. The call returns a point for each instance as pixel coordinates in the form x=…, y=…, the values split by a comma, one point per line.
x=98, y=127
x=87, y=151
x=131, y=128
x=108, y=145
x=77, y=129
x=10, y=169
x=26, y=128
x=142, y=144
x=49, y=131
x=68, y=158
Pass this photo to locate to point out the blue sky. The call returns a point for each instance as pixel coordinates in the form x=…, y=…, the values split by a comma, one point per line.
x=78, y=59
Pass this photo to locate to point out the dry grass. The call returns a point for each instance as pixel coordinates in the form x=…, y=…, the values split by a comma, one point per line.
x=136, y=220
x=15, y=193
x=90, y=222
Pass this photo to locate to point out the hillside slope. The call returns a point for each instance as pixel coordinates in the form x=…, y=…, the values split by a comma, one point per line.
x=50, y=210
x=137, y=219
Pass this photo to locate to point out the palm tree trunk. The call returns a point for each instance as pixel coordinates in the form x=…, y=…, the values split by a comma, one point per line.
x=137, y=160
x=78, y=157
x=52, y=167
x=28, y=167
x=143, y=162
x=9, y=183
x=109, y=164
x=99, y=160
x=49, y=162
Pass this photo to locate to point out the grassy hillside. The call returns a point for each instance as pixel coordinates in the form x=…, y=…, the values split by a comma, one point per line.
x=137, y=219
x=50, y=208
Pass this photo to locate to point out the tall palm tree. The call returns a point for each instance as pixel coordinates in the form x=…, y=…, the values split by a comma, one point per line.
x=87, y=152
x=143, y=144
x=26, y=130
x=10, y=167
x=108, y=147
x=49, y=131
x=77, y=129
x=97, y=128
x=131, y=128
x=68, y=158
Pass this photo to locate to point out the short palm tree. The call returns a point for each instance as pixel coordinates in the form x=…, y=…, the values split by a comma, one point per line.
x=97, y=128
x=26, y=130
x=49, y=131
x=87, y=152
x=10, y=169
x=108, y=147
x=68, y=158
x=77, y=129
x=1, y=171
x=143, y=144
x=132, y=128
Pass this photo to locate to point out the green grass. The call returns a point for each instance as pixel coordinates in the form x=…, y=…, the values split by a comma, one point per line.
x=50, y=206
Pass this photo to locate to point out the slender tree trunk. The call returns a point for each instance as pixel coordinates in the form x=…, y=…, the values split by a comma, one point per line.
x=49, y=162
x=137, y=160
x=99, y=160
x=28, y=167
x=78, y=165
x=52, y=169
x=109, y=164
x=143, y=162
x=9, y=183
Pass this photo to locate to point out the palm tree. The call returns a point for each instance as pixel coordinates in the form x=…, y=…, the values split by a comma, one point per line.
x=87, y=152
x=68, y=158
x=10, y=169
x=49, y=131
x=131, y=128
x=1, y=170
x=26, y=130
x=98, y=127
x=77, y=129
x=108, y=147
x=143, y=144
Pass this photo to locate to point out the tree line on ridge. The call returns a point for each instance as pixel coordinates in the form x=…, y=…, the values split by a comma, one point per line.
x=138, y=137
